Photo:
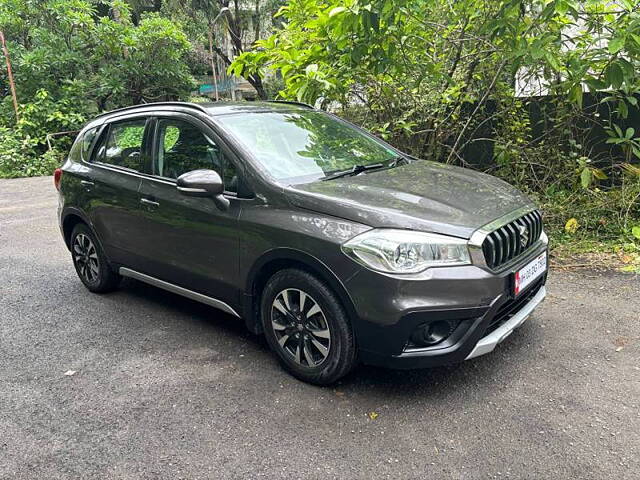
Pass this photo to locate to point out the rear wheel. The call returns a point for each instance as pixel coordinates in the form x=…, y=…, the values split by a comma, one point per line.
x=90, y=262
x=306, y=326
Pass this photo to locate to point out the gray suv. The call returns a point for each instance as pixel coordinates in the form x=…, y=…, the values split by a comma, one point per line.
x=333, y=244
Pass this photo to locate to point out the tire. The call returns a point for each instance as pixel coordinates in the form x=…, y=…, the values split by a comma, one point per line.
x=316, y=343
x=90, y=262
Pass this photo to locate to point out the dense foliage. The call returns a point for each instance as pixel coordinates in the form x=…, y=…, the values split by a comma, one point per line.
x=74, y=58
x=438, y=78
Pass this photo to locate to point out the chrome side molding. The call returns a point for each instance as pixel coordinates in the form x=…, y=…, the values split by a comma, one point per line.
x=170, y=287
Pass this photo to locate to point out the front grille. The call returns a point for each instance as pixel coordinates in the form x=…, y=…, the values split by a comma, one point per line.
x=508, y=242
x=513, y=306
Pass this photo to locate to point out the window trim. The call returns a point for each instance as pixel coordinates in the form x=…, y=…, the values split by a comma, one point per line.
x=235, y=152
x=104, y=133
x=208, y=132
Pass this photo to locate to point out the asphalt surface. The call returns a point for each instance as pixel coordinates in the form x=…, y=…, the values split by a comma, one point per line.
x=167, y=388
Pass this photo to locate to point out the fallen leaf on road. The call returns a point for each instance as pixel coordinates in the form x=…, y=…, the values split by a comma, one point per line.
x=372, y=415
x=619, y=349
x=68, y=373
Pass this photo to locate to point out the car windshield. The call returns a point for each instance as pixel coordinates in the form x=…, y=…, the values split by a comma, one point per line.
x=300, y=147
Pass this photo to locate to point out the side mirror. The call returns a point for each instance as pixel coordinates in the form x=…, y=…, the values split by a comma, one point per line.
x=203, y=183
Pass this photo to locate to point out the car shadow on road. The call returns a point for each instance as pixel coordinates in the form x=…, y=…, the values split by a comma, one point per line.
x=478, y=374
x=187, y=310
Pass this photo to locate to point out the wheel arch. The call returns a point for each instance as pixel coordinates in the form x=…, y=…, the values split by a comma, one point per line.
x=278, y=259
x=70, y=219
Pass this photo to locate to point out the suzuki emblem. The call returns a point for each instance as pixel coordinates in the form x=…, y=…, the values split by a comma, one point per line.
x=524, y=235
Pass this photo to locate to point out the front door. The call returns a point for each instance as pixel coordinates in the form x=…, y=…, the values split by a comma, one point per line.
x=193, y=243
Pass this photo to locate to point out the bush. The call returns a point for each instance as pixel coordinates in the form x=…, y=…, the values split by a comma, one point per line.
x=593, y=218
x=19, y=156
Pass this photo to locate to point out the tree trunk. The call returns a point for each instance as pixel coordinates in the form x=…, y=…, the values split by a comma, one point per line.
x=256, y=20
x=117, y=17
x=12, y=84
x=213, y=62
x=256, y=82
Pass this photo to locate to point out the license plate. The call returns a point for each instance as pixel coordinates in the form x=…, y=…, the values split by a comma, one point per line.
x=530, y=272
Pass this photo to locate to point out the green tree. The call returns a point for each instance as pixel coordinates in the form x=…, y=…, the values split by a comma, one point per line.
x=74, y=58
x=241, y=21
x=67, y=49
x=423, y=71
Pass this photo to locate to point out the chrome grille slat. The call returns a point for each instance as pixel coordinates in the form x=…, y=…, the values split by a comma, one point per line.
x=527, y=222
x=499, y=249
x=532, y=228
x=506, y=247
x=536, y=232
x=511, y=240
x=489, y=250
x=504, y=244
x=538, y=223
x=513, y=237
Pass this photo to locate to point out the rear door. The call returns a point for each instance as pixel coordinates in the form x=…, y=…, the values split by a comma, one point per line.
x=193, y=243
x=113, y=191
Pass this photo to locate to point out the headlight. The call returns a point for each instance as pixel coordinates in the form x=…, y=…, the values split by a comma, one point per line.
x=406, y=251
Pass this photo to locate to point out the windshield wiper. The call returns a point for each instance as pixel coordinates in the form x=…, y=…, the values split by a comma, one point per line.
x=397, y=160
x=355, y=170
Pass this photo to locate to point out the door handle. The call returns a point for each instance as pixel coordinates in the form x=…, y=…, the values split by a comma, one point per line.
x=86, y=183
x=150, y=203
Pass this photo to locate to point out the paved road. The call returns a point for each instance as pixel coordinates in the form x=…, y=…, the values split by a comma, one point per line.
x=167, y=388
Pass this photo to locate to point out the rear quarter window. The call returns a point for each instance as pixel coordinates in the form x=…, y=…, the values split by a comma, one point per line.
x=86, y=142
x=74, y=153
x=81, y=148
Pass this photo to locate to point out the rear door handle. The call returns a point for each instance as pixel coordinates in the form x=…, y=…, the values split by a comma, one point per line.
x=86, y=183
x=151, y=203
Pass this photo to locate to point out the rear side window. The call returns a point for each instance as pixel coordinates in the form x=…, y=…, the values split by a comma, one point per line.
x=122, y=145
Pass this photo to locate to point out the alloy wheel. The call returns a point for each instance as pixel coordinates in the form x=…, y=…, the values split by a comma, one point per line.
x=86, y=257
x=300, y=327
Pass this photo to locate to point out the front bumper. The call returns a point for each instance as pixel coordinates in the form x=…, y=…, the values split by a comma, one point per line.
x=489, y=342
x=479, y=300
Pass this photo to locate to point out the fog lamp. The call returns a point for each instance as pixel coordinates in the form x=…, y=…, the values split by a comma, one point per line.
x=429, y=334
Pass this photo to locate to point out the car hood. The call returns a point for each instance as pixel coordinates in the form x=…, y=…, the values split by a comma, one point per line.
x=423, y=195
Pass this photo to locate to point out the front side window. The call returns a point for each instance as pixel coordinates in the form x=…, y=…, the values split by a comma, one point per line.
x=299, y=147
x=183, y=147
x=123, y=145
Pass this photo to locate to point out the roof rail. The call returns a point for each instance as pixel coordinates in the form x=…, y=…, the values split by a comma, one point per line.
x=291, y=102
x=155, y=104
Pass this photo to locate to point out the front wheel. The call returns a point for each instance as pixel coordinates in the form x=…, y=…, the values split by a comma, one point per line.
x=307, y=327
x=90, y=262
